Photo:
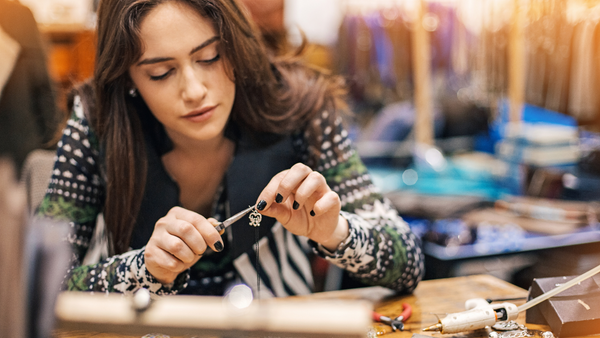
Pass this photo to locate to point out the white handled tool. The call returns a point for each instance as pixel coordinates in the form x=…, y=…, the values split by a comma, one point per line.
x=479, y=314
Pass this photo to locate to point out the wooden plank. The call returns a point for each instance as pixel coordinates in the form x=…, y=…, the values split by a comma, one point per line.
x=421, y=56
x=516, y=63
x=211, y=316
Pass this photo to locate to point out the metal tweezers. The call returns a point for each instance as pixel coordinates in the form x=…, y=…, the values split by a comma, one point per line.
x=226, y=223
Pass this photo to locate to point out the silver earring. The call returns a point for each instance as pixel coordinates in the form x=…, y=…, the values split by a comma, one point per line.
x=255, y=218
x=132, y=92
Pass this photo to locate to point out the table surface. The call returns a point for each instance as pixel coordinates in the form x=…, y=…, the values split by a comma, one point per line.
x=431, y=298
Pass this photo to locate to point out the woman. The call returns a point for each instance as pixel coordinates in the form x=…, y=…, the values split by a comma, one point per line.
x=187, y=121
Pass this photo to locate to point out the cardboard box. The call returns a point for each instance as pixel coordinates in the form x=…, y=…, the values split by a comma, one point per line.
x=573, y=312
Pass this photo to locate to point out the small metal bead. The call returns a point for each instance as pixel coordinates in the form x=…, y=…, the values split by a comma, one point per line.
x=547, y=334
x=141, y=299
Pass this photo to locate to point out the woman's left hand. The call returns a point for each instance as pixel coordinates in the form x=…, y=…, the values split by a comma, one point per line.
x=300, y=199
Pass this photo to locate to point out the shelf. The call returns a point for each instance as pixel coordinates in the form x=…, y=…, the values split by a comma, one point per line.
x=530, y=242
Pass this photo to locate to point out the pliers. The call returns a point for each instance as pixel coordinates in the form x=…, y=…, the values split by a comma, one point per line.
x=398, y=322
x=222, y=225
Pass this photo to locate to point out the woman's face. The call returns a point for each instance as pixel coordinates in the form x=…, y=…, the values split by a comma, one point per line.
x=181, y=75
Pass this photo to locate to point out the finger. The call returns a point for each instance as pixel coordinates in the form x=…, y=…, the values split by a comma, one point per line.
x=186, y=232
x=330, y=202
x=313, y=187
x=206, y=229
x=266, y=199
x=164, y=260
x=215, y=223
x=175, y=246
x=281, y=211
x=291, y=181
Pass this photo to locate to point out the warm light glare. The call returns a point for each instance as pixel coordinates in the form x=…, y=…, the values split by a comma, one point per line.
x=240, y=296
x=410, y=177
x=435, y=158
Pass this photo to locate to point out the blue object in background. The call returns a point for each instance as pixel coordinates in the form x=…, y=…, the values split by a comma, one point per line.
x=455, y=180
x=531, y=114
x=450, y=232
x=535, y=114
x=496, y=238
x=419, y=226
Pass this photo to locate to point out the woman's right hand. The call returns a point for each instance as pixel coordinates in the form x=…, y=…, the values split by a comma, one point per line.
x=179, y=239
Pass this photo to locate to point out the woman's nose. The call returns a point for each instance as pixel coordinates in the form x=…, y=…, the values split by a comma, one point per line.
x=193, y=87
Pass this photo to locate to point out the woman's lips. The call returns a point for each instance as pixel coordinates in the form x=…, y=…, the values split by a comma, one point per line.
x=200, y=115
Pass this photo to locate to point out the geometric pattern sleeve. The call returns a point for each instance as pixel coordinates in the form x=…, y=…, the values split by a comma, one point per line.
x=76, y=195
x=381, y=249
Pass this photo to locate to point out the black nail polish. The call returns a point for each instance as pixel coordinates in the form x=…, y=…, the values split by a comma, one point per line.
x=278, y=198
x=218, y=246
x=312, y=213
x=261, y=205
x=296, y=205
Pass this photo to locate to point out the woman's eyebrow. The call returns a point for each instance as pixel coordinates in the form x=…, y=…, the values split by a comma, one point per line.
x=204, y=44
x=163, y=59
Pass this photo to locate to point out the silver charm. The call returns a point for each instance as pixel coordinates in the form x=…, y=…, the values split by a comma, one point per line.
x=517, y=334
x=508, y=326
x=255, y=218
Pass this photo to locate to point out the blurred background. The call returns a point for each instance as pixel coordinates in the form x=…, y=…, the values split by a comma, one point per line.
x=478, y=119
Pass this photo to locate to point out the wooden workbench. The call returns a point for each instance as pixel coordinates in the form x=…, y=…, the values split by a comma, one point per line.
x=435, y=297
x=431, y=297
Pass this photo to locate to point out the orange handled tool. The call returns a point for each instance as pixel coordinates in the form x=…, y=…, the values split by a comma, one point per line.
x=398, y=322
x=406, y=312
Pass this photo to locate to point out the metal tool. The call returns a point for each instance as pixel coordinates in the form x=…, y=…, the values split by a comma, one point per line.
x=395, y=324
x=480, y=314
x=494, y=300
x=226, y=223
x=398, y=322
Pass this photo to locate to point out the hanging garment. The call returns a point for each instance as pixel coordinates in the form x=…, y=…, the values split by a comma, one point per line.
x=441, y=37
x=382, y=52
x=583, y=95
x=397, y=30
x=540, y=47
x=557, y=93
x=461, y=61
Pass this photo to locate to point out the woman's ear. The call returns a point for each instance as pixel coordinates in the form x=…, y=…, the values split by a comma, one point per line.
x=130, y=86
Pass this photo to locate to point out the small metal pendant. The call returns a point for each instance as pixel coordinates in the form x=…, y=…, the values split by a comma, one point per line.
x=517, y=334
x=255, y=218
x=508, y=326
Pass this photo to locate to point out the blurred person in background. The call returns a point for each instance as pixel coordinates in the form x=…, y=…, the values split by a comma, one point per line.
x=28, y=113
x=268, y=17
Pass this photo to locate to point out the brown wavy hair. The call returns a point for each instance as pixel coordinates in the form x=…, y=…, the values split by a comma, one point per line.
x=277, y=96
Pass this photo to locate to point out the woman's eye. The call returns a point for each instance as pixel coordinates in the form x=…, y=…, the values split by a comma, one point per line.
x=216, y=58
x=159, y=77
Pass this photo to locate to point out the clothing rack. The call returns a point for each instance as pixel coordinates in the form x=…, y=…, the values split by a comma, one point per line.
x=516, y=51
